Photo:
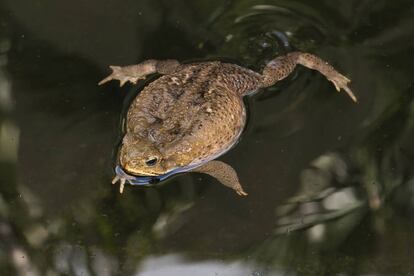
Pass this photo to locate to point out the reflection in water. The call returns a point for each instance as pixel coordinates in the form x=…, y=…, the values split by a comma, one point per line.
x=176, y=266
x=9, y=132
x=336, y=193
x=330, y=184
x=324, y=195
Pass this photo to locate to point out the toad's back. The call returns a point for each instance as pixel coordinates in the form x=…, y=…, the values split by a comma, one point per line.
x=192, y=114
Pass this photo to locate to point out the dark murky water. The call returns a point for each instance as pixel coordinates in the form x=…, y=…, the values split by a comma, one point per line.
x=331, y=183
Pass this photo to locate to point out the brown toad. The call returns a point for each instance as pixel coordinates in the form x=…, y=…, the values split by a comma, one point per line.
x=194, y=113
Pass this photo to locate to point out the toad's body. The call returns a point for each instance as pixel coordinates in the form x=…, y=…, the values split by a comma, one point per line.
x=194, y=113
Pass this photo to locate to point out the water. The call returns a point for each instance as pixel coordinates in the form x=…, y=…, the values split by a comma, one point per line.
x=330, y=183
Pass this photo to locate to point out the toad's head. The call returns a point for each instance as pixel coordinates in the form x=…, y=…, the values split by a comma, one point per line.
x=140, y=157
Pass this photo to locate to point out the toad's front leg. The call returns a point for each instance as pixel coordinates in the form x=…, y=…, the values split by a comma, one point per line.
x=133, y=73
x=122, y=181
x=282, y=66
x=223, y=173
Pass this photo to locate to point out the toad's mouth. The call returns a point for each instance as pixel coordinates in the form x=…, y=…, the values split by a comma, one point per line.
x=131, y=168
x=140, y=180
x=130, y=171
x=123, y=177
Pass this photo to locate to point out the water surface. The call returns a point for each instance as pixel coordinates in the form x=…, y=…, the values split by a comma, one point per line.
x=330, y=183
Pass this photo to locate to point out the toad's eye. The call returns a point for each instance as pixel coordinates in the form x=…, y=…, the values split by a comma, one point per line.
x=151, y=161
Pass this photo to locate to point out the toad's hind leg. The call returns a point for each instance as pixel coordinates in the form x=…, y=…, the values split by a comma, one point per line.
x=223, y=173
x=133, y=73
x=282, y=66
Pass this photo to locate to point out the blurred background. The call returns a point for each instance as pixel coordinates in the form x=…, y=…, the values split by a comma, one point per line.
x=330, y=183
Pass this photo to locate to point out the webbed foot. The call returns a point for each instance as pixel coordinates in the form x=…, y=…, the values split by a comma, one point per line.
x=239, y=190
x=341, y=82
x=223, y=173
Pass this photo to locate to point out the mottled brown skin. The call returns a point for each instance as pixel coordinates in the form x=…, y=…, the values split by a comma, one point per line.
x=195, y=113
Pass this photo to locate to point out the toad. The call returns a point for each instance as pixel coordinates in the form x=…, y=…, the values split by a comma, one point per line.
x=194, y=113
